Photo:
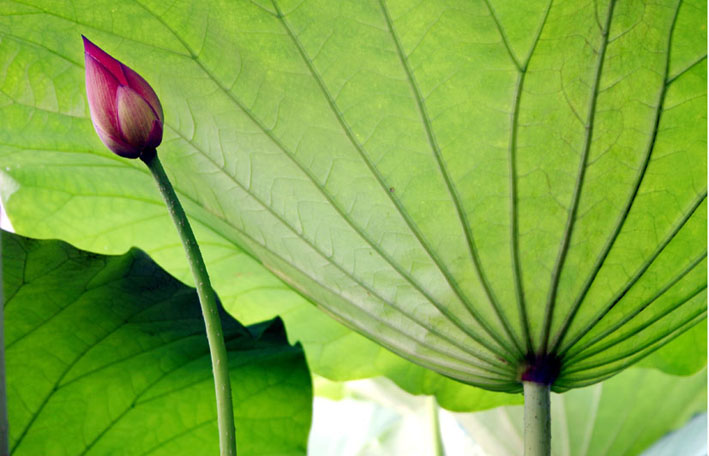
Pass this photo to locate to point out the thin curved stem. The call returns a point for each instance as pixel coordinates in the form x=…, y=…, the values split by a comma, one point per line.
x=208, y=301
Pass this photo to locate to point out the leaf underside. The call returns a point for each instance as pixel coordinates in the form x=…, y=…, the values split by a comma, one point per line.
x=475, y=185
x=108, y=355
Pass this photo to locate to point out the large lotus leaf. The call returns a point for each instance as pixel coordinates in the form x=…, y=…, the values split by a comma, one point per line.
x=465, y=182
x=685, y=355
x=108, y=205
x=108, y=355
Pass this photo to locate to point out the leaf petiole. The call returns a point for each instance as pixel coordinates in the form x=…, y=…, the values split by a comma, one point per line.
x=537, y=419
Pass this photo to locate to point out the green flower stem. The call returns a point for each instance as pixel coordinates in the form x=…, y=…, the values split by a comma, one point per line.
x=537, y=419
x=208, y=301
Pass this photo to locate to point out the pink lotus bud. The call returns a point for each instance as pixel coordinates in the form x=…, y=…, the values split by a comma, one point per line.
x=125, y=111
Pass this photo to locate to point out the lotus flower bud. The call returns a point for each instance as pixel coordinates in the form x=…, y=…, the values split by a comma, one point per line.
x=125, y=111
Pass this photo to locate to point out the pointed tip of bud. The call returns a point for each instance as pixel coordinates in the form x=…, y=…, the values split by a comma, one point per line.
x=126, y=124
x=89, y=47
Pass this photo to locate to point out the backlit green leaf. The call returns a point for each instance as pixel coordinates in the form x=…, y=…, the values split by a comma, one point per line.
x=464, y=182
x=108, y=355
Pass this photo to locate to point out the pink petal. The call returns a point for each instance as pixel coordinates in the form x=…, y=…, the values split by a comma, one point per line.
x=135, y=117
x=140, y=85
x=111, y=64
x=155, y=137
x=116, y=145
x=101, y=89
